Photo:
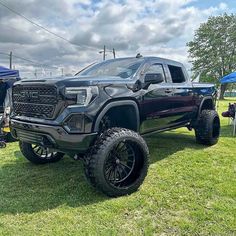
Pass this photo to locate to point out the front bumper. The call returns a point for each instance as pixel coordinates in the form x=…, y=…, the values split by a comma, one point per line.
x=51, y=136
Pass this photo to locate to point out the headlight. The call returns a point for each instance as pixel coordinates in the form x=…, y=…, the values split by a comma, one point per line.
x=85, y=95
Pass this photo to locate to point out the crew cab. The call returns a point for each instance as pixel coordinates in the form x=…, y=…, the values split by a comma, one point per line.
x=102, y=113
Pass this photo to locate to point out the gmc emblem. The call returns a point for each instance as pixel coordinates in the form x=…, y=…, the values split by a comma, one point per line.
x=29, y=95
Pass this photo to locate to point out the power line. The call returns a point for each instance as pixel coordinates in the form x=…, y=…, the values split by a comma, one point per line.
x=22, y=58
x=28, y=60
x=3, y=53
x=32, y=22
x=42, y=27
x=35, y=63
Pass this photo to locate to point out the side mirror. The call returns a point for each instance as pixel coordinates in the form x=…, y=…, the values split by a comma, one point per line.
x=153, y=78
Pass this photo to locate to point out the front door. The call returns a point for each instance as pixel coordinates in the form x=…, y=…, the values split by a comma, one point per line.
x=156, y=103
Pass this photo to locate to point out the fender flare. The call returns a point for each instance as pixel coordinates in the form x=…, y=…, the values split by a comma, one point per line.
x=113, y=104
x=202, y=102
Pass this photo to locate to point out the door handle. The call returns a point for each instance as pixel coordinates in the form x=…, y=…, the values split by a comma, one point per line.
x=168, y=91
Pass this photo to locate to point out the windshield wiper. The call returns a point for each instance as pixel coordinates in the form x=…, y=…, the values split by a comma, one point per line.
x=85, y=68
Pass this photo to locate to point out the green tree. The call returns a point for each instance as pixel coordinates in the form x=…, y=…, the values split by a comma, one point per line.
x=212, y=51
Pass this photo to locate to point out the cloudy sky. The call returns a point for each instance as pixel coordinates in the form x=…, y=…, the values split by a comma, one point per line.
x=151, y=27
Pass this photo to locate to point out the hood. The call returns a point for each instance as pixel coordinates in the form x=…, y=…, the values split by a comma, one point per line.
x=81, y=81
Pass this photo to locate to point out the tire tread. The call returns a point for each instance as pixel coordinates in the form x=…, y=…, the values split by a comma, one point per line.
x=99, y=149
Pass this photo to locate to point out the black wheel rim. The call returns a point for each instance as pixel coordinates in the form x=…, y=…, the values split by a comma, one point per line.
x=119, y=165
x=42, y=152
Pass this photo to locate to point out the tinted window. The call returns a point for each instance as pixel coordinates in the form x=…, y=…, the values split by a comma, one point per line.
x=156, y=69
x=176, y=74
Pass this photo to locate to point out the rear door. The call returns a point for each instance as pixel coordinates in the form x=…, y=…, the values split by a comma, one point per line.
x=182, y=96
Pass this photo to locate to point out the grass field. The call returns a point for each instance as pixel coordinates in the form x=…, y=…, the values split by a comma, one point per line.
x=190, y=190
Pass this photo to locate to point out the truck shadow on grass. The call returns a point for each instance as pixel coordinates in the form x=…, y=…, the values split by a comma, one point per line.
x=165, y=144
x=27, y=188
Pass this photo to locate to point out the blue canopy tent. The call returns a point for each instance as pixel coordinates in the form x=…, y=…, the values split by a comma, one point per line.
x=230, y=78
x=8, y=73
x=7, y=79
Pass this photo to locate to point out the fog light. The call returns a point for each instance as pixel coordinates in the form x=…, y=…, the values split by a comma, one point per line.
x=75, y=123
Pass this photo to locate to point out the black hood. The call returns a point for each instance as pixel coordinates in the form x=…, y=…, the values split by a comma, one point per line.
x=80, y=81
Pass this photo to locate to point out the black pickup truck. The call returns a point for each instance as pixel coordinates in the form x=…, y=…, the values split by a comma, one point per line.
x=99, y=114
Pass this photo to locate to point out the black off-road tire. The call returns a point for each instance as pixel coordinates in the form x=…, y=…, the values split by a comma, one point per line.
x=207, y=131
x=107, y=155
x=30, y=153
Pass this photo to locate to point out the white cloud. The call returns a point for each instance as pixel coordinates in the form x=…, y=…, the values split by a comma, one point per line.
x=223, y=6
x=159, y=27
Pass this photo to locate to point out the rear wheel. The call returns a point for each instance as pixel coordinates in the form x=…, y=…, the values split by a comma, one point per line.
x=38, y=154
x=118, y=162
x=207, y=131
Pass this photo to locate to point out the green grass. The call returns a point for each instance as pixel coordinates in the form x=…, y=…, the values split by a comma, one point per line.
x=190, y=190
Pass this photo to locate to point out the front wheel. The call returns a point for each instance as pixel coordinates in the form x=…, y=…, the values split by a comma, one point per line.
x=38, y=154
x=207, y=131
x=118, y=162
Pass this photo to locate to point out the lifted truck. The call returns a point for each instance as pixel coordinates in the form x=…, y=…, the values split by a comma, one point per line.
x=98, y=114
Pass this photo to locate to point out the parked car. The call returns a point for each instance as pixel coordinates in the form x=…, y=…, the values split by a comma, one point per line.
x=100, y=115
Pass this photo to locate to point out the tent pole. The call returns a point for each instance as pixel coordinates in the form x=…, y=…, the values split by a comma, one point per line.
x=234, y=124
x=218, y=100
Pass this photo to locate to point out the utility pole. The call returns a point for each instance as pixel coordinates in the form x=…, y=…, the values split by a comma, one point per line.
x=107, y=50
x=10, y=66
x=104, y=53
x=35, y=73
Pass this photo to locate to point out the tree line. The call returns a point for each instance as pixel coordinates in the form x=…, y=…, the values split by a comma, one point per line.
x=212, y=51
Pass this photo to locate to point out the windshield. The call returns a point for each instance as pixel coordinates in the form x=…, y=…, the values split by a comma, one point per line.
x=123, y=68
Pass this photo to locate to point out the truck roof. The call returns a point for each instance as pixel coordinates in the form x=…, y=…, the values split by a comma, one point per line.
x=151, y=58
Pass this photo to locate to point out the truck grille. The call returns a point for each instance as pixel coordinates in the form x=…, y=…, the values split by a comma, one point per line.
x=35, y=101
